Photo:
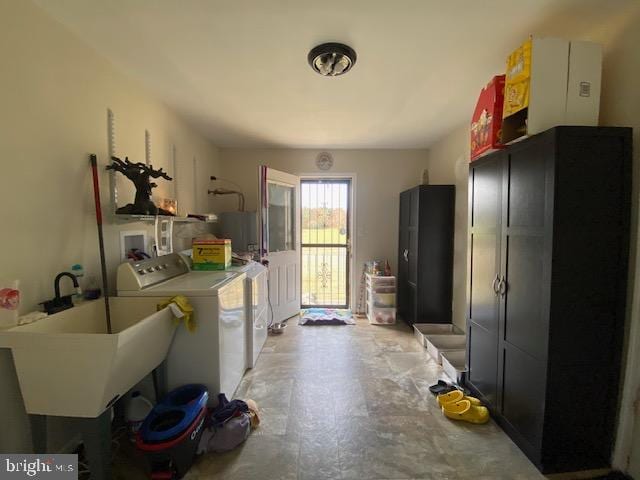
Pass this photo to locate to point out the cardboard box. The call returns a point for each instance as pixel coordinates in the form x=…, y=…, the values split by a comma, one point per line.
x=211, y=254
x=486, y=122
x=551, y=82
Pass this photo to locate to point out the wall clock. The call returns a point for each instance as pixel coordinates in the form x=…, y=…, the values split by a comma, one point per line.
x=324, y=161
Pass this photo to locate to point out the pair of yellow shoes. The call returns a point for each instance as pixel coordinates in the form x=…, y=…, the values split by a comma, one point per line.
x=457, y=406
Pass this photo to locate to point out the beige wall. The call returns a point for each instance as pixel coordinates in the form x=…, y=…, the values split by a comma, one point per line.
x=54, y=94
x=620, y=106
x=448, y=161
x=380, y=175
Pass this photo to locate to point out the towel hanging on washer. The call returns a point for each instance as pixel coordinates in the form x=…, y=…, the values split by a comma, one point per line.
x=182, y=311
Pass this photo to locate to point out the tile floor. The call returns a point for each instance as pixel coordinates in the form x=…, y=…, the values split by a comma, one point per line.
x=352, y=402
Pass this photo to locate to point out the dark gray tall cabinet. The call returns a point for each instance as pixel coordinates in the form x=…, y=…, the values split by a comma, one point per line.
x=425, y=254
x=547, y=271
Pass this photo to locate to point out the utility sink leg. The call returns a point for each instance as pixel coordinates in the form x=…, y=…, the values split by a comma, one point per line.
x=159, y=375
x=38, y=433
x=96, y=434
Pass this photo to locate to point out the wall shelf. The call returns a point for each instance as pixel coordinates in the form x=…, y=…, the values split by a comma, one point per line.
x=126, y=218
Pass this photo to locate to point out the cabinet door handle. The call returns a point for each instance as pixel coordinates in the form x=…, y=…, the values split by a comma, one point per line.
x=496, y=284
x=406, y=255
x=503, y=286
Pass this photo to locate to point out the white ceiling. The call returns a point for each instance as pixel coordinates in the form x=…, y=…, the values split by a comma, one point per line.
x=237, y=69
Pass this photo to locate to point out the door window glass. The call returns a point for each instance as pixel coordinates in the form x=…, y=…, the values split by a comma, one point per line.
x=281, y=217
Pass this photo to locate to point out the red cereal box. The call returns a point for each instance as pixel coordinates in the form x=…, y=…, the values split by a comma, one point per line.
x=487, y=118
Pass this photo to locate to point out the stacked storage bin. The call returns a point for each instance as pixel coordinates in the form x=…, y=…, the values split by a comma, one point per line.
x=380, y=305
x=446, y=344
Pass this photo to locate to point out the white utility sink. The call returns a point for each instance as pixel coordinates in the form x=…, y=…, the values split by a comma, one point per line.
x=68, y=365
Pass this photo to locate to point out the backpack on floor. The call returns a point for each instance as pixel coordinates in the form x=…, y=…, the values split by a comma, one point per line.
x=227, y=436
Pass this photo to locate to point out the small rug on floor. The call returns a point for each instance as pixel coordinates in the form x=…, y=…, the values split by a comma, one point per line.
x=326, y=316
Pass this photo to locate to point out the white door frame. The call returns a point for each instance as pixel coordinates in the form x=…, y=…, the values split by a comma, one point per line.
x=354, y=280
x=627, y=421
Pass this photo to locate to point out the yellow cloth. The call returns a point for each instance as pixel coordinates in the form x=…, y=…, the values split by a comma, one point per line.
x=185, y=307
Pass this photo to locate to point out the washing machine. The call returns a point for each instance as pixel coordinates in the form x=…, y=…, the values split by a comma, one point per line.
x=215, y=353
x=257, y=314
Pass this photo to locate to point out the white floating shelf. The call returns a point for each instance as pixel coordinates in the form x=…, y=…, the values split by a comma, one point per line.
x=152, y=218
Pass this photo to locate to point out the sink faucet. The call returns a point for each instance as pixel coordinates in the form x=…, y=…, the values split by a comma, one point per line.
x=56, y=283
x=58, y=303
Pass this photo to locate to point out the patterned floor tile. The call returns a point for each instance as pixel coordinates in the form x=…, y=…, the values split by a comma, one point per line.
x=352, y=402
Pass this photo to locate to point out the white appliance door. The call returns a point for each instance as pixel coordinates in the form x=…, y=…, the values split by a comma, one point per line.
x=260, y=315
x=232, y=331
x=280, y=240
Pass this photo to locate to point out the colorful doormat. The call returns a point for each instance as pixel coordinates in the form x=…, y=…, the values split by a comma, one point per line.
x=326, y=316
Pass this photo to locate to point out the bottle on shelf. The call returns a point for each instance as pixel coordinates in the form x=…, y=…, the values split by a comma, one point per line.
x=387, y=268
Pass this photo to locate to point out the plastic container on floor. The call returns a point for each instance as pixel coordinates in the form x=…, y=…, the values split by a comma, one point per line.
x=436, y=344
x=380, y=299
x=174, y=413
x=136, y=410
x=376, y=281
x=454, y=365
x=384, y=289
x=170, y=434
x=382, y=316
x=173, y=458
x=384, y=300
x=421, y=330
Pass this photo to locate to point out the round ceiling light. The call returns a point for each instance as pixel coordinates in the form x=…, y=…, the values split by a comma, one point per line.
x=332, y=59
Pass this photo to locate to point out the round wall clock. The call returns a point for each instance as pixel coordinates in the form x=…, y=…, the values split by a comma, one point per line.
x=324, y=161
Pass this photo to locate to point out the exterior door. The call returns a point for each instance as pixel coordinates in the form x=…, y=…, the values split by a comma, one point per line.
x=280, y=240
x=326, y=242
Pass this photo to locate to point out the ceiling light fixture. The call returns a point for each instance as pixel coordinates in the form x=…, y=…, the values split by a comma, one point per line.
x=332, y=59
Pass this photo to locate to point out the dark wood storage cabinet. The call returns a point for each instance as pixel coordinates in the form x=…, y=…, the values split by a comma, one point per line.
x=547, y=274
x=425, y=257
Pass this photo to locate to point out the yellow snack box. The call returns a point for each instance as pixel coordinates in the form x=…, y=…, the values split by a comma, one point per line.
x=518, y=79
x=211, y=254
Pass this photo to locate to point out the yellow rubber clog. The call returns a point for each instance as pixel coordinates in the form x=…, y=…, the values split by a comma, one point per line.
x=463, y=410
x=456, y=396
